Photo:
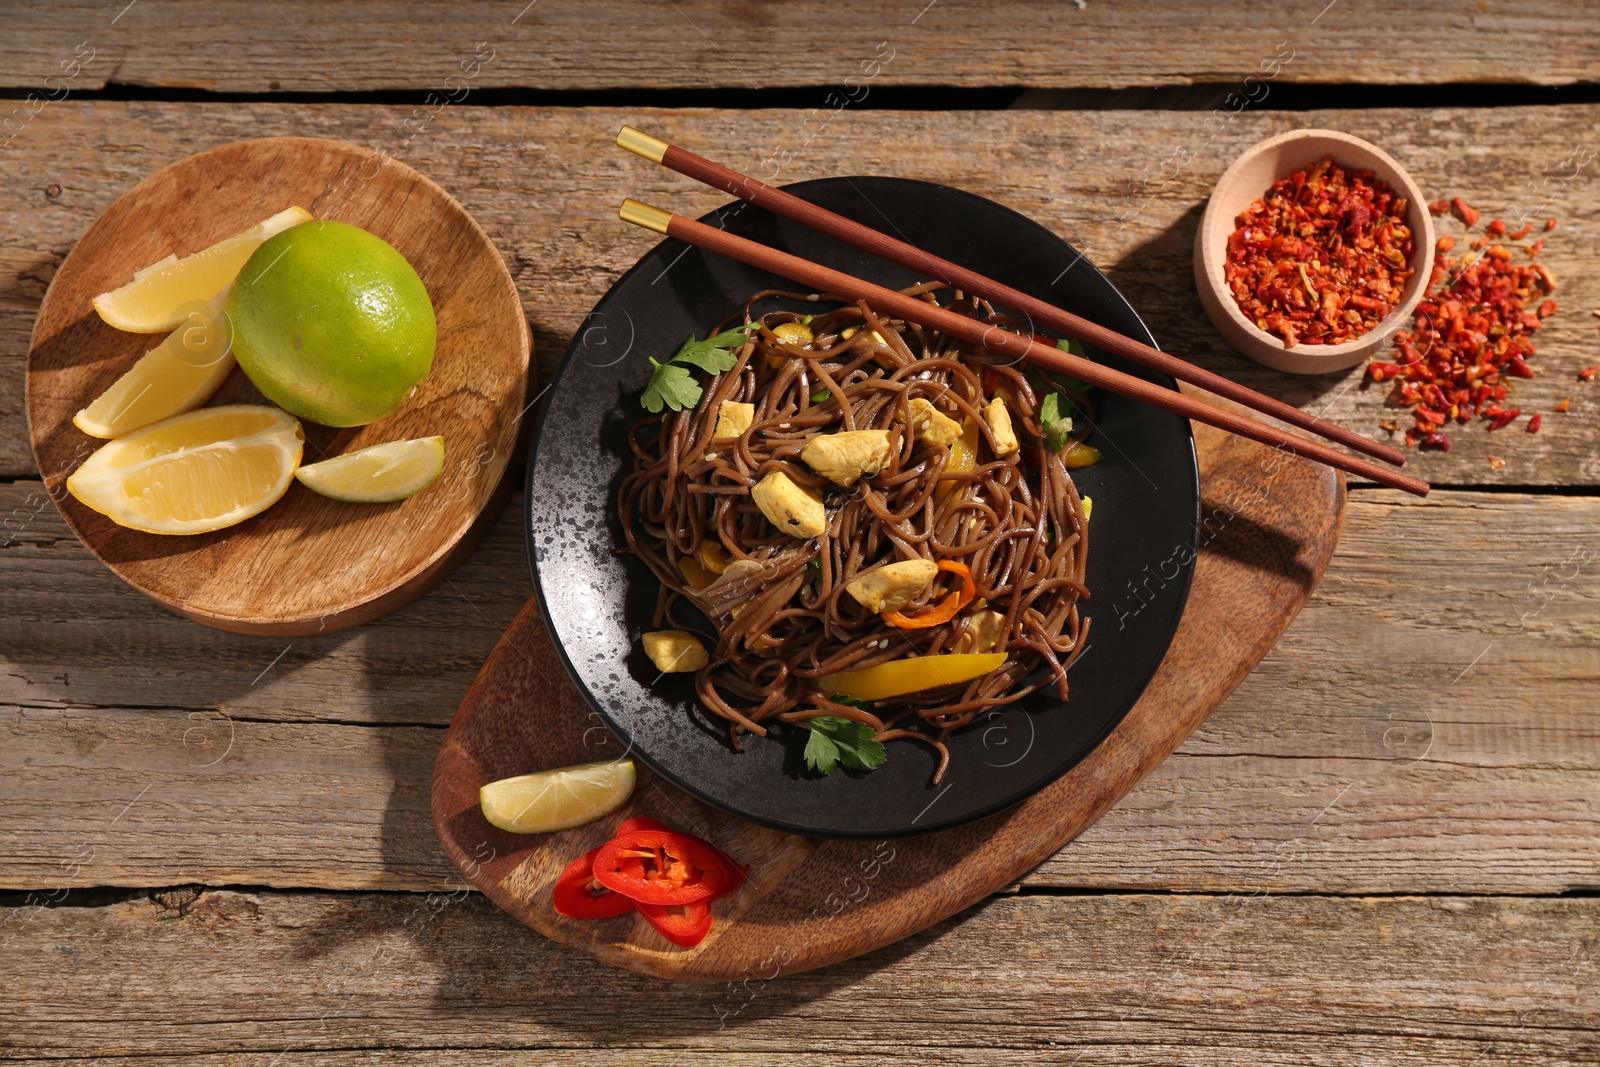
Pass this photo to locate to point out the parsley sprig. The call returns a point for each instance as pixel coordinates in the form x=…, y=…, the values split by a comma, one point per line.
x=673, y=386
x=835, y=740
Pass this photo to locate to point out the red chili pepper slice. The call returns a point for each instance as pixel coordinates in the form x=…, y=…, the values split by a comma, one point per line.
x=685, y=925
x=947, y=609
x=1465, y=211
x=579, y=896
x=664, y=867
x=641, y=822
x=1535, y=422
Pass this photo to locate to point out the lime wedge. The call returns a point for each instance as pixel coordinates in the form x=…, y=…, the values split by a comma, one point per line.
x=558, y=799
x=379, y=474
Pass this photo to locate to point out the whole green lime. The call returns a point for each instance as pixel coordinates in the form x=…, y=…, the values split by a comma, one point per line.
x=332, y=324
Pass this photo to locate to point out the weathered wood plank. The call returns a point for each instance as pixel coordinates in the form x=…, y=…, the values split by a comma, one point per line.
x=1109, y=979
x=1347, y=761
x=300, y=45
x=1126, y=186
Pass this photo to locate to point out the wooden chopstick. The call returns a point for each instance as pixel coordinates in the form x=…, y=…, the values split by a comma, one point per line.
x=865, y=237
x=1001, y=342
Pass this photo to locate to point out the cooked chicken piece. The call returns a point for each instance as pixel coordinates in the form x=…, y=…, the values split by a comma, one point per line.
x=893, y=587
x=983, y=632
x=933, y=426
x=998, y=416
x=795, y=511
x=675, y=651
x=733, y=419
x=845, y=456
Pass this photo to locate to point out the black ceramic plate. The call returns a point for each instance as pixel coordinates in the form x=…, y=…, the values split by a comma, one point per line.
x=1146, y=500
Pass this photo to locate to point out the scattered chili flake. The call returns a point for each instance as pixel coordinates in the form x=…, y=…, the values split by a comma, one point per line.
x=1495, y=462
x=1389, y=425
x=1436, y=440
x=1439, y=207
x=1535, y=422
x=1496, y=227
x=1465, y=212
x=1587, y=374
x=1520, y=234
x=1535, y=248
x=1322, y=257
x=1564, y=405
x=1550, y=225
x=1470, y=340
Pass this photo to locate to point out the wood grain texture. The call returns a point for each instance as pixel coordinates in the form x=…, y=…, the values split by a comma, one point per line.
x=307, y=564
x=1114, y=979
x=1347, y=760
x=300, y=45
x=1126, y=187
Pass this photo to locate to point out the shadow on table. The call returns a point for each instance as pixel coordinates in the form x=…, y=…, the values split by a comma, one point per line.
x=1157, y=278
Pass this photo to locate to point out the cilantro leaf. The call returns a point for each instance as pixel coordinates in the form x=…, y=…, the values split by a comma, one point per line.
x=1057, y=426
x=822, y=755
x=835, y=740
x=670, y=386
x=712, y=355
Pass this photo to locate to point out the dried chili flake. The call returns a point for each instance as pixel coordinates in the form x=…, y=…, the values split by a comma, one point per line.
x=1322, y=257
x=1550, y=225
x=1495, y=462
x=1520, y=234
x=1465, y=212
x=1439, y=207
x=1535, y=248
x=1470, y=339
x=1496, y=228
x=1535, y=422
x=1564, y=405
x=1587, y=374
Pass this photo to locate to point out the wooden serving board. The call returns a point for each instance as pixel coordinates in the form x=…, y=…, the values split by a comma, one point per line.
x=306, y=564
x=1269, y=526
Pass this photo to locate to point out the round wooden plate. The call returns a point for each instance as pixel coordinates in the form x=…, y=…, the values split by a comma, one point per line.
x=307, y=564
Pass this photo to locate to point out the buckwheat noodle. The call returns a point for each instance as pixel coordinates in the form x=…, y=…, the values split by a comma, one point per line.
x=1016, y=521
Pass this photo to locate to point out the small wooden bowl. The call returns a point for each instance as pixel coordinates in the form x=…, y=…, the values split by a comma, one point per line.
x=307, y=564
x=1251, y=175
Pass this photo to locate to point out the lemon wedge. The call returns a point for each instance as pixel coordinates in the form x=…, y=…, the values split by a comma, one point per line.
x=558, y=799
x=161, y=294
x=176, y=376
x=193, y=473
x=379, y=474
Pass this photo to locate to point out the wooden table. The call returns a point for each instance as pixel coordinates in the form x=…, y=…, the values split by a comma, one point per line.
x=1381, y=849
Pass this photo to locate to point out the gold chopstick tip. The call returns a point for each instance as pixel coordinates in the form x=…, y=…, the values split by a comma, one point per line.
x=642, y=144
x=651, y=218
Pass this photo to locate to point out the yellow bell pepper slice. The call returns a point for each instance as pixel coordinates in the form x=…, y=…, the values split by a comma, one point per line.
x=963, y=457
x=695, y=576
x=901, y=676
x=713, y=557
x=1088, y=507
x=1079, y=454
